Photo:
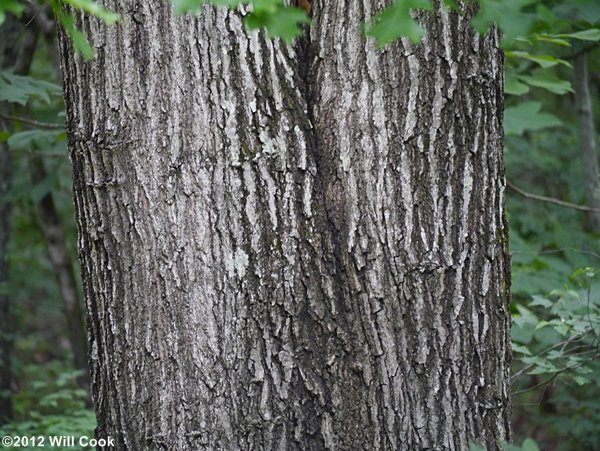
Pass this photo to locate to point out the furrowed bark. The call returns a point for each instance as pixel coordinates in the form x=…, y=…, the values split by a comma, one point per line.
x=291, y=248
x=414, y=187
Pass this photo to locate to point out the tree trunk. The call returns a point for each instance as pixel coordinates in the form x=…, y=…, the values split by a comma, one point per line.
x=16, y=52
x=5, y=310
x=291, y=248
x=587, y=139
x=52, y=230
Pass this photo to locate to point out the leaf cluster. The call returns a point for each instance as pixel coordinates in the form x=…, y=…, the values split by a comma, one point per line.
x=51, y=404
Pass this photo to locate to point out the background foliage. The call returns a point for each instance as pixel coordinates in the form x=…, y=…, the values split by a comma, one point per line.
x=555, y=249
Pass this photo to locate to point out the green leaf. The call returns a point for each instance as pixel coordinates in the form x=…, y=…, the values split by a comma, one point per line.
x=19, y=89
x=548, y=82
x=542, y=323
x=395, y=21
x=527, y=116
x=592, y=34
x=279, y=20
x=545, y=14
x=513, y=86
x=580, y=380
x=14, y=7
x=522, y=333
x=574, y=360
x=279, y=23
x=552, y=39
x=520, y=349
x=80, y=42
x=555, y=354
x=539, y=300
x=529, y=445
x=187, y=6
x=558, y=325
x=584, y=275
x=44, y=140
x=523, y=40
x=476, y=447
x=269, y=6
x=231, y=4
x=523, y=325
x=544, y=61
x=452, y=4
x=543, y=367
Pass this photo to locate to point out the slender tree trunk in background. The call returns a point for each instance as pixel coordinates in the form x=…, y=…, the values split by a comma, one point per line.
x=62, y=265
x=5, y=321
x=52, y=226
x=291, y=248
x=16, y=52
x=587, y=139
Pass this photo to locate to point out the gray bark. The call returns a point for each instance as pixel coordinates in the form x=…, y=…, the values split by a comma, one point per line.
x=291, y=248
x=587, y=139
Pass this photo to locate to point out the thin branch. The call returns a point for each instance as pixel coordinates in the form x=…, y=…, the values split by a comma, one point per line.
x=558, y=251
x=572, y=249
x=563, y=343
x=42, y=153
x=547, y=381
x=550, y=200
x=42, y=17
x=553, y=377
x=32, y=122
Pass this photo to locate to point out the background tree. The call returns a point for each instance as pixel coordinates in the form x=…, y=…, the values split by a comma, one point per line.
x=39, y=371
x=291, y=247
x=16, y=53
x=554, y=250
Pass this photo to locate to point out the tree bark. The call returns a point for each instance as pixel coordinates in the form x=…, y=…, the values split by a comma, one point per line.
x=291, y=248
x=587, y=139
